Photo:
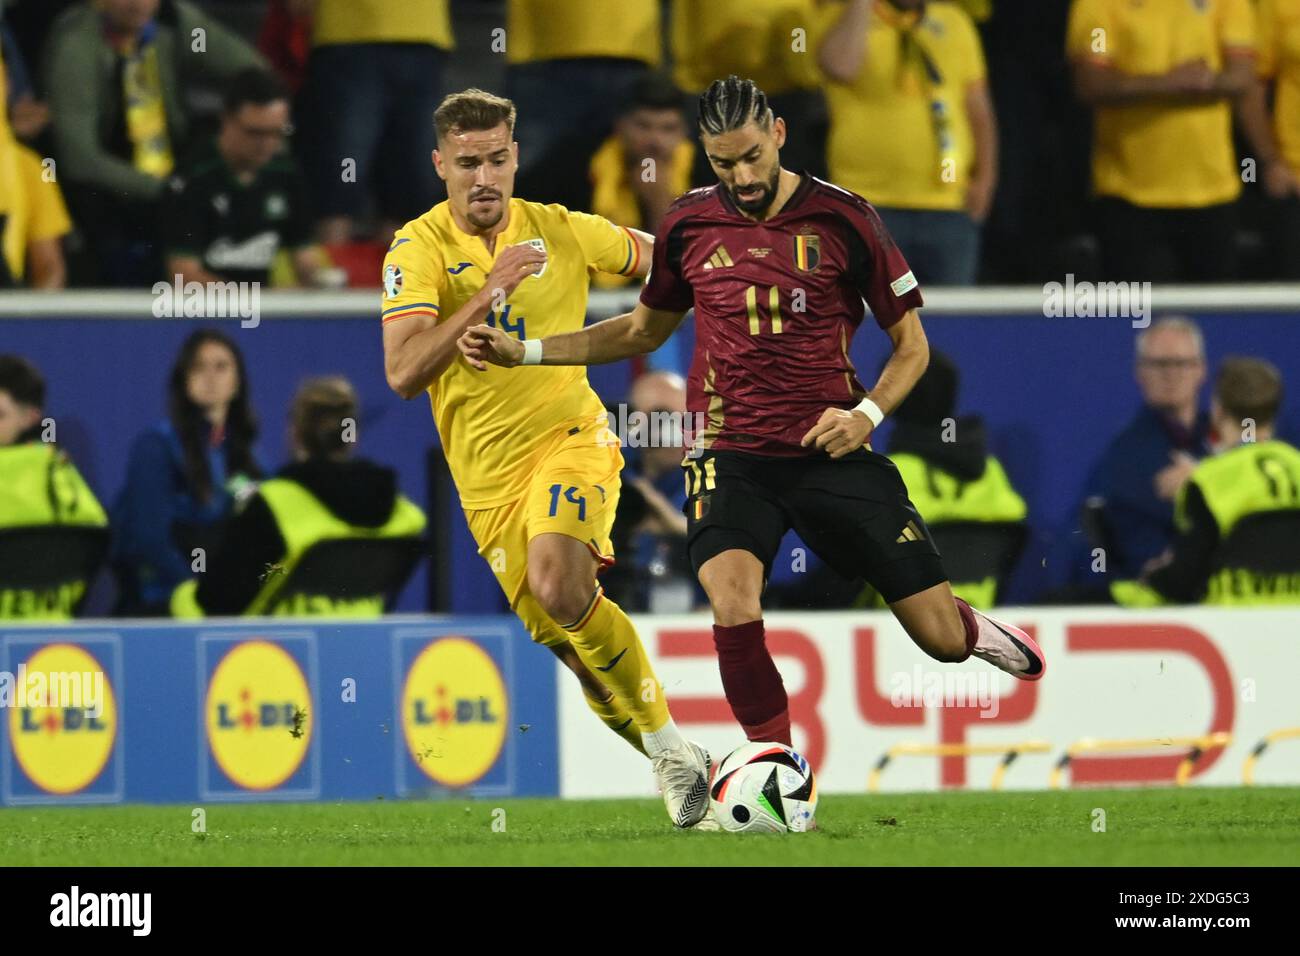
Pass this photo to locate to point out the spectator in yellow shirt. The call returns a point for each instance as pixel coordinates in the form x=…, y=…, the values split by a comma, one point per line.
x=1162, y=78
x=767, y=41
x=374, y=78
x=638, y=172
x=912, y=126
x=571, y=67
x=1274, y=133
x=35, y=219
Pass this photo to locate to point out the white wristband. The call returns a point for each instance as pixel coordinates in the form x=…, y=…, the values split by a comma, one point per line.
x=871, y=410
x=532, y=352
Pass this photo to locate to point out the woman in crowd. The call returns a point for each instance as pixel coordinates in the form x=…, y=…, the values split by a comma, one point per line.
x=184, y=474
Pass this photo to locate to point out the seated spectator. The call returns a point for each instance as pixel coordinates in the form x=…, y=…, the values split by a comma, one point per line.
x=1251, y=474
x=325, y=494
x=1162, y=80
x=120, y=75
x=1274, y=133
x=649, y=534
x=1132, y=488
x=638, y=172
x=761, y=40
x=183, y=475
x=374, y=78
x=912, y=127
x=570, y=69
x=238, y=203
x=42, y=487
x=945, y=463
x=27, y=115
x=33, y=218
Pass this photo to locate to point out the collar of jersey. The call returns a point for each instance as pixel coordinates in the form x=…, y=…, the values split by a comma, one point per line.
x=473, y=245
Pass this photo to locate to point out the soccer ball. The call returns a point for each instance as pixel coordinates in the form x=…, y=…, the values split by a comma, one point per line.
x=764, y=788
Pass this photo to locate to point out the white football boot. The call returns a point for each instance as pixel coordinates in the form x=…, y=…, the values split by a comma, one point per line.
x=1008, y=648
x=683, y=775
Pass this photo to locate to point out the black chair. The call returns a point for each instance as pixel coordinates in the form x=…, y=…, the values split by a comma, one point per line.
x=1266, y=542
x=343, y=569
x=45, y=558
x=975, y=550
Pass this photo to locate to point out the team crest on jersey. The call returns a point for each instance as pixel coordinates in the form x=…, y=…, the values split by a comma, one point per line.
x=392, y=280
x=540, y=246
x=1200, y=6
x=807, y=251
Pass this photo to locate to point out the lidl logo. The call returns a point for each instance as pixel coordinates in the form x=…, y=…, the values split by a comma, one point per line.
x=63, y=749
x=454, y=711
x=258, y=715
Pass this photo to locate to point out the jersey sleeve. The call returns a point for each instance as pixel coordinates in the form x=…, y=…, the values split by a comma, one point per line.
x=411, y=279
x=1266, y=50
x=666, y=289
x=1087, y=36
x=878, y=270
x=971, y=59
x=607, y=247
x=1237, y=26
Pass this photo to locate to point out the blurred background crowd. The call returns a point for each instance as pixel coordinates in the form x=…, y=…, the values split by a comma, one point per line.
x=1005, y=141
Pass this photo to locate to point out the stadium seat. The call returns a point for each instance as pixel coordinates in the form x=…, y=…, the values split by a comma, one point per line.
x=349, y=569
x=51, y=558
x=1264, y=543
x=971, y=549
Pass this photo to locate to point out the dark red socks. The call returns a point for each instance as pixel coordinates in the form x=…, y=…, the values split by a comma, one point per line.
x=752, y=683
x=968, y=621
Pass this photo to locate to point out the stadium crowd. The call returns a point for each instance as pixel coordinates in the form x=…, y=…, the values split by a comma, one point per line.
x=282, y=142
x=146, y=138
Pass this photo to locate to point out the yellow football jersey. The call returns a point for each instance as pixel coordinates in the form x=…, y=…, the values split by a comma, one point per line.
x=494, y=424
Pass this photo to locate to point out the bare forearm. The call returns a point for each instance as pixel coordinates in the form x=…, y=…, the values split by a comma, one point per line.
x=1252, y=117
x=900, y=374
x=608, y=341
x=984, y=129
x=426, y=355
x=1109, y=87
x=843, y=51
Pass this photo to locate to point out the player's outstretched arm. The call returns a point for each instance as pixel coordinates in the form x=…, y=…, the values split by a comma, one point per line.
x=839, y=430
x=636, y=333
x=417, y=350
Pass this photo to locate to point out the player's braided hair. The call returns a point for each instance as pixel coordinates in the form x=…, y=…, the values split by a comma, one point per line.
x=731, y=103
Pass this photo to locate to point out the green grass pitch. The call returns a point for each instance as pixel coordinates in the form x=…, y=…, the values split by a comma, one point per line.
x=1159, y=827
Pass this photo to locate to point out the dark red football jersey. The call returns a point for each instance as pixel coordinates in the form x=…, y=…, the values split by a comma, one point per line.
x=776, y=305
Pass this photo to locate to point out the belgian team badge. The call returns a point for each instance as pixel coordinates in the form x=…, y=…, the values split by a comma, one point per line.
x=807, y=251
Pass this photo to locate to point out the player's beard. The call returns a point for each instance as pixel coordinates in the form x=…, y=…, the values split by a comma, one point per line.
x=759, y=203
x=488, y=220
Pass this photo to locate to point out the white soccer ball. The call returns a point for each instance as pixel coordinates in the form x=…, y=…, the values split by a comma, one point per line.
x=764, y=788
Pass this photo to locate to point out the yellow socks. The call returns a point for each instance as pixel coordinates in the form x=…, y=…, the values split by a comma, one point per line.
x=613, y=716
x=608, y=644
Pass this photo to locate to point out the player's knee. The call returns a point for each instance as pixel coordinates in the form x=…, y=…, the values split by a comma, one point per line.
x=734, y=604
x=560, y=599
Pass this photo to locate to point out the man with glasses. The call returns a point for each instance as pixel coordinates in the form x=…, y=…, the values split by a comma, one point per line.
x=233, y=208
x=1133, y=487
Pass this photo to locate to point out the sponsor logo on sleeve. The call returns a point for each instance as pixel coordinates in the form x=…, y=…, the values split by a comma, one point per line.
x=903, y=284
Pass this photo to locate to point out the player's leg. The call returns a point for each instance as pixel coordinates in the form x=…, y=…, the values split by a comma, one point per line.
x=602, y=701
x=569, y=520
x=502, y=536
x=855, y=514
x=734, y=526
